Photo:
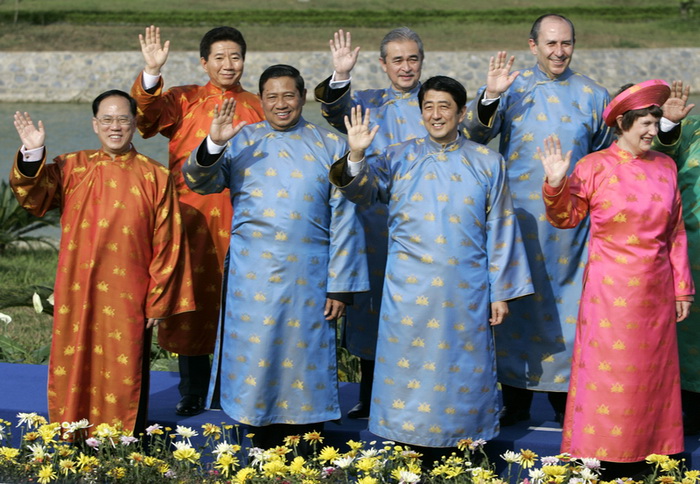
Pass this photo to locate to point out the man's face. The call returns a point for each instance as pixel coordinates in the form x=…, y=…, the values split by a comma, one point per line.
x=282, y=102
x=114, y=125
x=225, y=64
x=554, y=46
x=441, y=116
x=403, y=64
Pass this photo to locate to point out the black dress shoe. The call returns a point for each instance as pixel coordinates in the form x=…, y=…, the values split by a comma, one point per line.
x=512, y=417
x=361, y=410
x=190, y=405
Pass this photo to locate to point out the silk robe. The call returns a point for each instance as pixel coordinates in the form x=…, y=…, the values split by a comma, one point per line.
x=454, y=248
x=183, y=115
x=534, y=348
x=122, y=259
x=294, y=238
x=624, y=399
x=686, y=153
x=398, y=116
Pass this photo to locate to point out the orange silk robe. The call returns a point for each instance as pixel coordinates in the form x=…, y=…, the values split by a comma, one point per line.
x=122, y=259
x=183, y=114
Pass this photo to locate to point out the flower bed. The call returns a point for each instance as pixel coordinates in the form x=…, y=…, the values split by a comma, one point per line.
x=78, y=452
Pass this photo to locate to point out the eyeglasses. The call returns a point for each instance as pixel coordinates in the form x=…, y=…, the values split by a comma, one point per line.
x=109, y=120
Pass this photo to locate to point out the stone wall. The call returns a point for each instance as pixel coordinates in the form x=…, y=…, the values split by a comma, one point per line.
x=80, y=76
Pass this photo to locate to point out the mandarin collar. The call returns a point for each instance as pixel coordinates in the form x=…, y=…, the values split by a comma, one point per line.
x=540, y=76
x=626, y=155
x=396, y=94
x=212, y=89
x=451, y=146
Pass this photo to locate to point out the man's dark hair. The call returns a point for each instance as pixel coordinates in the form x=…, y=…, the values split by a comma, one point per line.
x=401, y=34
x=535, y=30
x=629, y=117
x=444, y=84
x=281, y=70
x=217, y=35
x=113, y=92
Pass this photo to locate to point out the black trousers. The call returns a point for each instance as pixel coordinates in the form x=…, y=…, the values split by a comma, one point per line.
x=516, y=398
x=194, y=375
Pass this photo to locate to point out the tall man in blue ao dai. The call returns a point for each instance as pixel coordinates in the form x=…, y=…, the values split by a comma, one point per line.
x=455, y=257
x=534, y=349
x=395, y=110
x=297, y=254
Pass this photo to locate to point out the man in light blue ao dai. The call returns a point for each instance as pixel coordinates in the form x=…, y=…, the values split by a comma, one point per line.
x=534, y=350
x=297, y=252
x=395, y=110
x=455, y=257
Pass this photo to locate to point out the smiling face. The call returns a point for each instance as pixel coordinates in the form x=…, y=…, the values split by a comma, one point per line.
x=403, y=64
x=224, y=64
x=282, y=102
x=554, y=46
x=115, y=137
x=638, y=138
x=441, y=116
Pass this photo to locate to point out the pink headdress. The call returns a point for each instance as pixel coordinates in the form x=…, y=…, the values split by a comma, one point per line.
x=654, y=92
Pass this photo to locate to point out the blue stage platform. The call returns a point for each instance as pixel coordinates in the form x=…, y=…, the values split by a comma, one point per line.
x=23, y=389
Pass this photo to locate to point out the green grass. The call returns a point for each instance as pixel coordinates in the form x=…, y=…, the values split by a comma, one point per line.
x=22, y=272
x=279, y=25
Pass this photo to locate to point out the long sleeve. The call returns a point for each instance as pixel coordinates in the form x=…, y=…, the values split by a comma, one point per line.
x=678, y=252
x=506, y=252
x=39, y=193
x=566, y=205
x=372, y=183
x=158, y=112
x=209, y=178
x=170, y=287
x=335, y=103
x=347, y=265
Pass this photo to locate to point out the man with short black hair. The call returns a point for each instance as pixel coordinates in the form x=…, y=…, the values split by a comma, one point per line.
x=123, y=264
x=183, y=115
x=297, y=255
x=455, y=258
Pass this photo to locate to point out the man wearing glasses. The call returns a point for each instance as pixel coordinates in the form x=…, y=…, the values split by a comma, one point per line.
x=122, y=266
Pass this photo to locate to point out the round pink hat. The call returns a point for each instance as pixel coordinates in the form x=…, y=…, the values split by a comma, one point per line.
x=653, y=92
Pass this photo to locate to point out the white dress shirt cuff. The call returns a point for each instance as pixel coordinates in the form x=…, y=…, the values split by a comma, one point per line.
x=333, y=84
x=486, y=102
x=32, y=156
x=213, y=148
x=666, y=125
x=149, y=81
x=354, y=167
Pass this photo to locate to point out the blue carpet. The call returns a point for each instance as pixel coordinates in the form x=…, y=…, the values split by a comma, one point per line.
x=23, y=389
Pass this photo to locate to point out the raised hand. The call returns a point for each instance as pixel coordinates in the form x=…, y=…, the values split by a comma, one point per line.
x=555, y=165
x=499, y=77
x=153, y=52
x=360, y=136
x=344, y=56
x=676, y=107
x=31, y=136
x=222, y=128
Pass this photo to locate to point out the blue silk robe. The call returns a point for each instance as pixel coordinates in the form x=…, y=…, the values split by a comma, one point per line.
x=454, y=247
x=399, y=119
x=293, y=239
x=534, y=349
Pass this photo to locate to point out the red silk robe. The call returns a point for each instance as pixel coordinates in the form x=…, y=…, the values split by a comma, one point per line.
x=183, y=114
x=122, y=259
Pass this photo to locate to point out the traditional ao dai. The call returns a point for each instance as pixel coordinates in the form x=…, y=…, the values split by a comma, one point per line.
x=624, y=399
x=534, y=348
x=294, y=238
x=454, y=247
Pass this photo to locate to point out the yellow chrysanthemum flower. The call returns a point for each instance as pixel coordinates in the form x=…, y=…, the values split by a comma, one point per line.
x=46, y=474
